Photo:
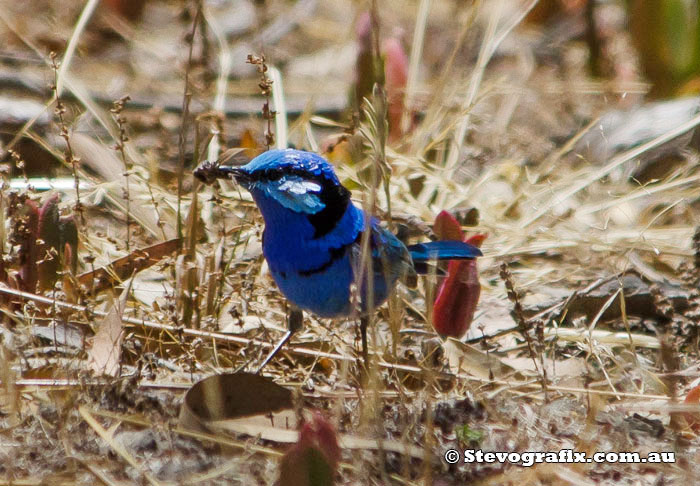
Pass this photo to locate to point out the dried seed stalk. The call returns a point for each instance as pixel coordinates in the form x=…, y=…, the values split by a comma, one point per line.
x=265, y=86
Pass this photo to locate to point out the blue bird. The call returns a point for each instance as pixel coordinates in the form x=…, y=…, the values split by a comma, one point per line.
x=313, y=236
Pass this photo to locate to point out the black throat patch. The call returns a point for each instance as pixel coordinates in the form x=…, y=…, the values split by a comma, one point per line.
x=334, y=196
x=336, y=200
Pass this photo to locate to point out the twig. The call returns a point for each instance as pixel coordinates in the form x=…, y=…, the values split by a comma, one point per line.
x=221, y=82
x=182, y=137
x=85, y=16
x=414, y=63
x=69, y=156
x=19, y=164
x=507, y=278
x=265, y=86
x=117, y=110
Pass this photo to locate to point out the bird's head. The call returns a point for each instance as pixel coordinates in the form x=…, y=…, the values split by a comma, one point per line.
x=299, y=181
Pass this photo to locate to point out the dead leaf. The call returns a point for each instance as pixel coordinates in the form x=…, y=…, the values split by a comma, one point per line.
x=104, y=161
x=245, y=403
x=124, y=267
x=639, y=300
x=463, y=358
x=61, y=334
x=105, y=351
x=231, y=396
x=249, y=144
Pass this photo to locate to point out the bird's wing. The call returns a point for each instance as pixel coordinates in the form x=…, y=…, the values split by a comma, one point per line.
x=389, y=255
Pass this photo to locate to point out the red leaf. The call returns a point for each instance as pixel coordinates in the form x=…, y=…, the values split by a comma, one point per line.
x=693, y=418
x=458, y=295
x=395, y=78
x=313, y=460
x=456, y=299
x=447, y=227
x=476, y=239
x=28, y=248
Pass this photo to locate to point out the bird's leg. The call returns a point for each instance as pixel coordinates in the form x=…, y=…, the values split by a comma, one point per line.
x=364, y=321
x=294, y=323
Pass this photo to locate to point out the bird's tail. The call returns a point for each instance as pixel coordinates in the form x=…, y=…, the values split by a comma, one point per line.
x=423, y=253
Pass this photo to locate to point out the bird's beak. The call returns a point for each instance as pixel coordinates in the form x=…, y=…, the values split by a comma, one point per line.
x=208, y=172
x=241, y=176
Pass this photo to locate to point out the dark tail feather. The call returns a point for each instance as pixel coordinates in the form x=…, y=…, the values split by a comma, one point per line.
x=425, y=268
x=442, y=250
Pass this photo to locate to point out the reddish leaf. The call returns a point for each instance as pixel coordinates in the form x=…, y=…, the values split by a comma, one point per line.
x=390, y=70
x=447, y=227
x=396, y=77
x=459, y=292
x=28, y=232
x=313, y=460
x=43, y=236
x=693, y=418
x=547, y=10
x=476, y=239
x=69, y=242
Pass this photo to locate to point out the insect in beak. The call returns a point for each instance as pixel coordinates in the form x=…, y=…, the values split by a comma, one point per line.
x=208, y=172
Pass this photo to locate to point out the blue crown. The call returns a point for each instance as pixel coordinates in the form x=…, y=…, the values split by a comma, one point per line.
x=291, y=161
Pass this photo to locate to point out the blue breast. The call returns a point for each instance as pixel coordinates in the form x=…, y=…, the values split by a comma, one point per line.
x=326, y=294
x=289, y=243
x=316, y=273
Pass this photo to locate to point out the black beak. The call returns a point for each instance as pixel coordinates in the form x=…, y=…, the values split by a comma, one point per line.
x=208, y=172
x=236, y=173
